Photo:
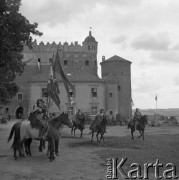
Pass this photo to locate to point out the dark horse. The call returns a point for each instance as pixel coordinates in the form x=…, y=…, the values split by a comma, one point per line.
x=100, y=129
x=140, y=127
x=78, y=123
x=53, y=135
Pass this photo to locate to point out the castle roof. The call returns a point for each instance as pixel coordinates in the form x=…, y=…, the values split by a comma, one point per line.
x=115, y=58
x=74, y=75
x=90, y=38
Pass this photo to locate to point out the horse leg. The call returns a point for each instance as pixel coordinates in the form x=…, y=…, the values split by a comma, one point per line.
x=56, y=147
x=51, y=148
x=102, y=137
x=41, y=146
x=28, y=146
x=43, y=143
x=92, y=134
x=143, y=135
x=81, y=133
x=15, y=149
x=140, y=134
x=132, y=134
x=97, y=137
x=72, y=130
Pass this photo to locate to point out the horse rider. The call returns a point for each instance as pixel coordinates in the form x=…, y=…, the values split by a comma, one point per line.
x=42, y=111
x=137, y=116
x=79, y=116
x=98, y=121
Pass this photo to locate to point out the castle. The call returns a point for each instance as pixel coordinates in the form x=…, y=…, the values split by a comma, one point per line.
x=112, y=92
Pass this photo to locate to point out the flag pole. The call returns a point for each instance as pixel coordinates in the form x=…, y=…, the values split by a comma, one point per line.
x=156, y=99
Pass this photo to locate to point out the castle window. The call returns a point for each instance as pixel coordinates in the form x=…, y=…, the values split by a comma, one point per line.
x=88, y=47
x=65, y=62
x=94, y=110
x=119, y=88
x=86, y=63
x=44, y=92
x=94, y=92
x=110, y=94
x=19, y=96
x=70, y=110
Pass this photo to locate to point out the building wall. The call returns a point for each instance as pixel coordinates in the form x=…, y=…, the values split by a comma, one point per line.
x=111, y=103
x=83, y=99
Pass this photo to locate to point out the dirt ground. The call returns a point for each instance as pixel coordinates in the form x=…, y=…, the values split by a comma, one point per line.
x=77, y=159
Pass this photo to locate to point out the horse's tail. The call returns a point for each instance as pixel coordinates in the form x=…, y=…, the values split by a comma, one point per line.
x=12, y=132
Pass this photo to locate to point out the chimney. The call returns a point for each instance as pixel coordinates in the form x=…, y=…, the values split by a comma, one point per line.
x=103, y=58
x=38, y=64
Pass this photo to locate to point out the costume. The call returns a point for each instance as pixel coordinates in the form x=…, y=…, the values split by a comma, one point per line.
x=137, y=117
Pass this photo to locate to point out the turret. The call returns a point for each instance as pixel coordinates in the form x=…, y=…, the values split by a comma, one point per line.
x=90, y=44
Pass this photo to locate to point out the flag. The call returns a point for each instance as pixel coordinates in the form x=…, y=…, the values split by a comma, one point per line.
x=156, y=97
x=52, y=87
x=53, y=94
x=57, y=67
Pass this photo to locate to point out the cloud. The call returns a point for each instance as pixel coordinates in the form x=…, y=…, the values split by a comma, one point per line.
x=176, y=47
x=166, y=56
x=119, y=39
x=56, y=12
x=158, y=41
x=177, y=80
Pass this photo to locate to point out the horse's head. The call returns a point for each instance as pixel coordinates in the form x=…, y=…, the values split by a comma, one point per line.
x=144, y=119
x=66, y=120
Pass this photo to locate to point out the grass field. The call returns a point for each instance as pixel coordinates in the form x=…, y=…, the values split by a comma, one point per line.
x=164, y=147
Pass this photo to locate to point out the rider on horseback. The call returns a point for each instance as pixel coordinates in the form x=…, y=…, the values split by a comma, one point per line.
x=97, y=122
x=79, y=117
x=41, y=110
x=137, y=116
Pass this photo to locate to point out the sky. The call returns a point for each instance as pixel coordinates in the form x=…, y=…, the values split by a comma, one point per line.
x=145, y=32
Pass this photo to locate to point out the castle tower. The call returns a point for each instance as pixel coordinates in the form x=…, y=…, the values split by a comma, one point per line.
x=116, y=73
x=90, y=46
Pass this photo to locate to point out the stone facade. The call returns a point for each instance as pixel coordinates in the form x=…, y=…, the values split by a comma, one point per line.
x=112, y=92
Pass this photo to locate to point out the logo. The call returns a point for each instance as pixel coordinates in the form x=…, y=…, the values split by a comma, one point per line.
x=115, y=169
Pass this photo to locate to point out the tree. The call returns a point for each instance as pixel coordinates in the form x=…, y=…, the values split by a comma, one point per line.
x=15, y=32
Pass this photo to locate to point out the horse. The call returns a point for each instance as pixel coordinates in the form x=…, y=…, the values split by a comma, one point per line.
x=53, y=134
x=23, y=130
x=100, y=129
x=78, y=123
x=140, y=127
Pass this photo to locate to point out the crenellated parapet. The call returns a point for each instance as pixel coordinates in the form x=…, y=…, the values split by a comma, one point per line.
x=73, y=46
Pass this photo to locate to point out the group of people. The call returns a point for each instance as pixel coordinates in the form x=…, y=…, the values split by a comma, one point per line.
x=42, y=115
